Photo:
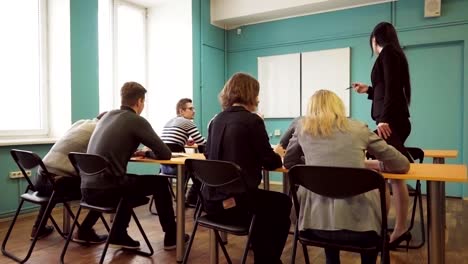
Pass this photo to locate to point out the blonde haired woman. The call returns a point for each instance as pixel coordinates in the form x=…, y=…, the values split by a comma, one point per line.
x=326, y=137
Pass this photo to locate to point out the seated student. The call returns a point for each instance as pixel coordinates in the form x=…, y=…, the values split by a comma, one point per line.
x=177, y=131
x=326, y=137
x=116, y=137
x=239, y=135
x=57, y=163
x=284, y=141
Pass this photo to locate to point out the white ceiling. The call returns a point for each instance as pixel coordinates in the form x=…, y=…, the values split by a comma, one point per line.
x=151, y=3
x=234, y=13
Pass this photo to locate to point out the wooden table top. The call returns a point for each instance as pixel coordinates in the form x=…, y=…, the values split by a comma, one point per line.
x=427, y=172
x=440, y=153
x=424, y=171
x=172, y=161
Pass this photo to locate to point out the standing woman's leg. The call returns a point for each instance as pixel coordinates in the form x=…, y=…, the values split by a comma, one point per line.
x=400, y=132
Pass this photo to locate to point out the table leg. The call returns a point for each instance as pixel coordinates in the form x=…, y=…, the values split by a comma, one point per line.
x=180, y=248
x=213, y=248
x=285, y=183
x=442, y=191
x=435, y=220
x=266, y=180
x=66, y=221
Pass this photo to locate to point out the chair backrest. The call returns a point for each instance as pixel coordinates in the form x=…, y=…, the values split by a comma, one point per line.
x=338, y=183
x=28, y=160
x=416, y=153
x=215, y=173
x=88, y=164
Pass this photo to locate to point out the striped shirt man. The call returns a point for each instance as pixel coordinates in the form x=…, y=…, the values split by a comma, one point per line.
x=179, y=129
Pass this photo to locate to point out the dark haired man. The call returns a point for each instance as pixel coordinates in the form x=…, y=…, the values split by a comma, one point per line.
x=117, y=137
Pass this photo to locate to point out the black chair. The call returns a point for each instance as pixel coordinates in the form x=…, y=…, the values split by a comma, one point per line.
x=89, y=165
x=218, y=174
x=174, y=148
x=416, y=154
x=352, y=181
x=27, y=160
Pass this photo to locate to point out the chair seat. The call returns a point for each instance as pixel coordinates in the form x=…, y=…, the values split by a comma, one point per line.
x=172, y=176
x=238, y=229
x=349, y=246
x=135, y=202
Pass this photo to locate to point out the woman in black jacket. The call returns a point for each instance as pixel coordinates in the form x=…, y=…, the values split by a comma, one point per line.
x=391, y=94
x=238, y=135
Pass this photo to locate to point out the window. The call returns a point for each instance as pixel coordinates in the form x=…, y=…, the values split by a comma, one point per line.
x=35, y=103
x=149, y=44
x=127, y=50
x=23, y=50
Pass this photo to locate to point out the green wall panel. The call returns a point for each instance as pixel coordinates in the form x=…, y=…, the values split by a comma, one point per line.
x=213, y=82
x=435, y=48
x=319, y=27
x=84, y=58
x=12, y=188
x=410, y=13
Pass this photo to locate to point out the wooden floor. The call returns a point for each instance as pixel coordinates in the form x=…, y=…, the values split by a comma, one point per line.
x=48, y=249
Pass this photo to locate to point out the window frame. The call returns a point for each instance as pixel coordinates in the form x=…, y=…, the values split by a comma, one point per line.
x=115, y=49
x=43, y=82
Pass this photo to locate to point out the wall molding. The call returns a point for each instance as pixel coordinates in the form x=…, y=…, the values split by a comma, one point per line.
x=344, y=36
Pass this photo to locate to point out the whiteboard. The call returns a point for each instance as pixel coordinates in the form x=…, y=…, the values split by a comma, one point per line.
x=279, y=78
x=326, y=69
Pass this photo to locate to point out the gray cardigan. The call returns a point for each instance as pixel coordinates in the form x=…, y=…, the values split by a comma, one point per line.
x=342, y=149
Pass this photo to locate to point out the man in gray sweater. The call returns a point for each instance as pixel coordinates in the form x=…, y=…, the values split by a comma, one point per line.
x=117, y=137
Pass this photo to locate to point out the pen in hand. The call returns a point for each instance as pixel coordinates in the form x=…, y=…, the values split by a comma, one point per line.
x=349, y=88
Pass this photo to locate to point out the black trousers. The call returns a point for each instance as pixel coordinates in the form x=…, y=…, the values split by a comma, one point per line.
x=401, y=129
x=137, y=186
x=69, y=186
x=368, y=238
x=272, y=223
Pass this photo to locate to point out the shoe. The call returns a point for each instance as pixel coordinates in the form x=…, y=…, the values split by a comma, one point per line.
x=124, y=241
x=45, y=231
x=191, y=201
x=403, y=237
x=89, y=237
x=170, y=241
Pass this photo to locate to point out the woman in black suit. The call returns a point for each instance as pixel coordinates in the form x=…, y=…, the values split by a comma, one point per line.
x=239, y=135
x=390, y=94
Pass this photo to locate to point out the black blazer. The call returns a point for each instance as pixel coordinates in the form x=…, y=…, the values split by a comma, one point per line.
x=239, y=136
x=390, y=75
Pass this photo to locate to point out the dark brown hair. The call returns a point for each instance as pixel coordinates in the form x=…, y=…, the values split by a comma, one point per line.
x=131, y=92
x=241, y=88
x=385, y=34
x=181, y=104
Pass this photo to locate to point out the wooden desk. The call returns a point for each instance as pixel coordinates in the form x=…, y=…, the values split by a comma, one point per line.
x=180, y=196
x=435, y=175
x=438, y=156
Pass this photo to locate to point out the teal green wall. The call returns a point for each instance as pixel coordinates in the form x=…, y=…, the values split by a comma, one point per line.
x=209, y=59
x=84, y=58
x=435, y=48
x=85, y=94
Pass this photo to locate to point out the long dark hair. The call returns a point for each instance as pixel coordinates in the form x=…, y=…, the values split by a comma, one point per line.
x=385, y=34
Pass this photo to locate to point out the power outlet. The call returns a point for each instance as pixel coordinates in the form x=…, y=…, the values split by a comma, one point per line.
x=18, y=174
x=277, y=132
